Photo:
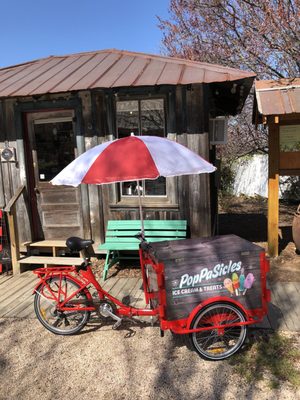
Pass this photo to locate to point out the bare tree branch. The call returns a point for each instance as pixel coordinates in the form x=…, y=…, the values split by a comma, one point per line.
x=261, y=36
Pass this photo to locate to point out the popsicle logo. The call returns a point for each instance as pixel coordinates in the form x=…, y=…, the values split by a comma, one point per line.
x=239, y=285
x=205, y=274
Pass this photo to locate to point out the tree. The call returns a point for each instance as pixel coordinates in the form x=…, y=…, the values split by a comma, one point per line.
x=261, y=36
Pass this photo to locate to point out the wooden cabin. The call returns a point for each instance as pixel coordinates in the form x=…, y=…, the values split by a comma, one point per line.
x=53, y=109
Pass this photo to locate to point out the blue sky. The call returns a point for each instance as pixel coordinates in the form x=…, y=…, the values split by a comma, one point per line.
x=32, y=29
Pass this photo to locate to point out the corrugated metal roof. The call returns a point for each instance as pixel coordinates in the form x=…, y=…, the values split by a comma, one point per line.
x=108, y=69
x=278, y=97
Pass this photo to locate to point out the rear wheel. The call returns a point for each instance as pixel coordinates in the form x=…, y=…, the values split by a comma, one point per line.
x=45, y=306
x=220, y=343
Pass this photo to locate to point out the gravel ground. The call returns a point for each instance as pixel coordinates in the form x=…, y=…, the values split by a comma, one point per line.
x=133, y=363
x=130, y=363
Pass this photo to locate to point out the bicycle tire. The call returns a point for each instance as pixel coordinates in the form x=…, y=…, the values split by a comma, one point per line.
x=60, y=323
x=213, y=344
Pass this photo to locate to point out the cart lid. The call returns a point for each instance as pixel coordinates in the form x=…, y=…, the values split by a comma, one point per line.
x=203, y=247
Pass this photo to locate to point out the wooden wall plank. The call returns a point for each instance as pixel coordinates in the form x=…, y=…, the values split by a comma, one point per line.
x=80, y=144
x=194, y=190
x=198, y=191
x=91, y=140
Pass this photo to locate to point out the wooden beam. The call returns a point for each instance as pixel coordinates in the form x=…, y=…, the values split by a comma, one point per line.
x=14, y=241
x=273, y=190
x=11, y=211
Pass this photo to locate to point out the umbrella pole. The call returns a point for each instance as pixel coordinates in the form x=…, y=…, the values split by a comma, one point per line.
x=140, y=207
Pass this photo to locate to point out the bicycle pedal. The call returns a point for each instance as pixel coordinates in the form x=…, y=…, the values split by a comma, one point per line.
x=117, y=324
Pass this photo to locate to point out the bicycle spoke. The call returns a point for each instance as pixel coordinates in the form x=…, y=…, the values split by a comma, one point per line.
x=51, y=316
x=218, y=343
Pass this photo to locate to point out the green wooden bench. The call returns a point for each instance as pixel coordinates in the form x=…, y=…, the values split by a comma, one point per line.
x=120, y=237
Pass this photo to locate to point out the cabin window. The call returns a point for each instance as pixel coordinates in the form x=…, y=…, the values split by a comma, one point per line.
x=142, y=117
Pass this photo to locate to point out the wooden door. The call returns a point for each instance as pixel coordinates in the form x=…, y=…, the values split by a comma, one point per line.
x=51, y=145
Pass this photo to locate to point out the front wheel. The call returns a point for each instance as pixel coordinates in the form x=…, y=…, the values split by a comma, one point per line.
x=46, y=300
x=220, y=343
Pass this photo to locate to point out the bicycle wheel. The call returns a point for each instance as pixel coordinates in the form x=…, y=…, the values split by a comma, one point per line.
x=218, y=344
x=45, y=306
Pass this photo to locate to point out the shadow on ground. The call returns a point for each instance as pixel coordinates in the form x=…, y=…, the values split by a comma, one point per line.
x=252, y=227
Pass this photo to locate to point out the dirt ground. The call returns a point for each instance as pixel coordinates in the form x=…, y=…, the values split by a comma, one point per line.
x=132, y=363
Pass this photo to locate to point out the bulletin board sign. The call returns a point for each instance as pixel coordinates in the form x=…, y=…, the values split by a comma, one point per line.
x=289, y=145
x=289, y=138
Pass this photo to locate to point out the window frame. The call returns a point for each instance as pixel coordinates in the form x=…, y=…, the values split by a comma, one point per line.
x=169, y=200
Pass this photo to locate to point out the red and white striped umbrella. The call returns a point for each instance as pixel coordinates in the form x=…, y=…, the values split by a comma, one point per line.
x=132, y=158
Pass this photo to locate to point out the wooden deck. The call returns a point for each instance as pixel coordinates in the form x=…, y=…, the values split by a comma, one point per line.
x=16, y=299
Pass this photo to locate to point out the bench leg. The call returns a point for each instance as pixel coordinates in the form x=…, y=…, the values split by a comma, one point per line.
x=108, y=264
x=105, y=271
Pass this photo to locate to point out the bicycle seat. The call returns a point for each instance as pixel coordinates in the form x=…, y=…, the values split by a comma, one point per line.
x=76, y=244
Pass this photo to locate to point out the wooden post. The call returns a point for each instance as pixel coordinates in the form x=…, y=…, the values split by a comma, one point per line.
x=14, y=241
x=11, y=211
x=273, y=189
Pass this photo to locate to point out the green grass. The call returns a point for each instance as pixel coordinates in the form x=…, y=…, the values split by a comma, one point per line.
x=275, y=356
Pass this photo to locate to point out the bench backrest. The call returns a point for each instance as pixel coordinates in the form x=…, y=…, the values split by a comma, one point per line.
x=155, y=230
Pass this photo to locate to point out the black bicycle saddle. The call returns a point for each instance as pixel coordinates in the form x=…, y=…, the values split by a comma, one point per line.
x=76, y=244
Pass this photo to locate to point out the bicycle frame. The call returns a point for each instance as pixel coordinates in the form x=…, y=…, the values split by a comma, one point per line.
x=84, y=279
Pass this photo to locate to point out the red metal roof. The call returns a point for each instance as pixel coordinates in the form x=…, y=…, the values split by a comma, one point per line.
x=108, y=69
x=278, y=97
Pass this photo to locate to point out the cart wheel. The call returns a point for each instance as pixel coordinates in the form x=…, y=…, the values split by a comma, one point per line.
x=218, y=344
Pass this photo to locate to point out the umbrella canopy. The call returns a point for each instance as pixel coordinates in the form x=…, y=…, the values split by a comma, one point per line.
x=132, y=158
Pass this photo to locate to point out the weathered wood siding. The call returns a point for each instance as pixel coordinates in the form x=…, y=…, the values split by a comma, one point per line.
x=187, y=123
x=187, y=120
x=13, y=174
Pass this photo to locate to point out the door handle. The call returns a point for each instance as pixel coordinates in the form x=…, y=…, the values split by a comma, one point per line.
x=36, y=190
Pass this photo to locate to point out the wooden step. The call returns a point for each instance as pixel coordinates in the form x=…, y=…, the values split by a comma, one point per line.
x=54, y=245
x=46, y=261
x=48, y=243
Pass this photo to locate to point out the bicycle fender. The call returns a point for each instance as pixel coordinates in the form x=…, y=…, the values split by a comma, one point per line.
x=212, y=300
x=41, y=282
x=37, y=286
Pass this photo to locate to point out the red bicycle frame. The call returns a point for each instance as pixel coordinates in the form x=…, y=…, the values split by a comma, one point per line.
x=83, y=279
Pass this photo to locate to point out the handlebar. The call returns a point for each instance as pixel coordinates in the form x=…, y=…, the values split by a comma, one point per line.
x=144, y=245
x=140, y=236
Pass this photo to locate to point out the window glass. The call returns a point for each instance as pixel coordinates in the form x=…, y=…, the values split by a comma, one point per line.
x=152, y=117
x=127, y=118
x=156, y=187
x=54, y=147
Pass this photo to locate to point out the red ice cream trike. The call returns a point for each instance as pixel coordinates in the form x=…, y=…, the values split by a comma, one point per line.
x=192, y=286
x=210, y=289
